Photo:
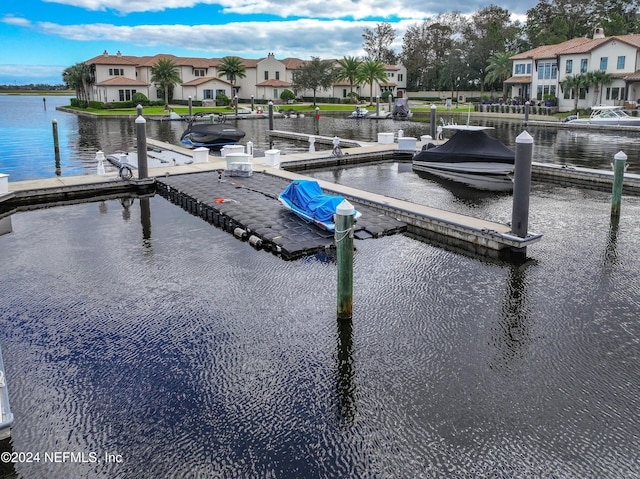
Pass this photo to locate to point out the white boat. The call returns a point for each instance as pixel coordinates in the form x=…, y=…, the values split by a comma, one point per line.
x=359, y=112
x=605, y=115
x=470, y=150
x=6, y=417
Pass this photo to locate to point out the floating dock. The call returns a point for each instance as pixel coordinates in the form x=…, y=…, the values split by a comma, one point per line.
x=248, y=207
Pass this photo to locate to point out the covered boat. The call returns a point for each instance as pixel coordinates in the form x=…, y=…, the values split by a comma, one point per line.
x=306, y=199
x=211, y=135
x=401, y=110
x=6, y=417
x=470, y=151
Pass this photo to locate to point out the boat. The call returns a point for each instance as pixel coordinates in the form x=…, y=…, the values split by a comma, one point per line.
x=6, y=417
x=605, y=115
x=359, y=112
x=470, y=150
x=306, y=199
x=401, y=110
x=211, y=135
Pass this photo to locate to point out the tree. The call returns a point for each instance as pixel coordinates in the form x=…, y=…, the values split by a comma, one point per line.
x=349, y=69
x=78, y=77
x=372, y=72
x=165, y=73
x=314, y=75
x=233, y=68
x=598, y=79
x=499, y=69
x=574, y=83
x=377, y=43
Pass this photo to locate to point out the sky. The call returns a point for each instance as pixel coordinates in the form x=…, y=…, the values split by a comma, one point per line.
x=40, y=38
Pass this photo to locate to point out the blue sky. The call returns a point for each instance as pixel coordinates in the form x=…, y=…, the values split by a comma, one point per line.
x=39, y=39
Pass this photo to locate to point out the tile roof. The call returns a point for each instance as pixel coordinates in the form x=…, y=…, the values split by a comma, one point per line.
x=575, y=46
x=519, y=79
x=122, y=81
x=274, y=83
x=202, y=80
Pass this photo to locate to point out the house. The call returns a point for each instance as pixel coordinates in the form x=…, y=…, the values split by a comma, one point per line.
x=538, y=74
x=117, y=77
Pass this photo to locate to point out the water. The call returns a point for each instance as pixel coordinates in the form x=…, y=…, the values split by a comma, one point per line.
x=27, y=151
x=143, y=332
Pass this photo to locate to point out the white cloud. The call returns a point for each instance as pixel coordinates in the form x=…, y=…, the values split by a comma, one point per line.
x=298, y=38
x=357, y=9
x=17, y=21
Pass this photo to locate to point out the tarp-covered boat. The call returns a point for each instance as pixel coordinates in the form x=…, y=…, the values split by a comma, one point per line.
x=401, y=110
x=6, y=417
x=211, y=135
x=306, y=199
x=469, y=150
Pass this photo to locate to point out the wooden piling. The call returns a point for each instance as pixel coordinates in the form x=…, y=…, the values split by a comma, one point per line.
x=344, y=249
x=619, y=166
x=56, y=143
x=433, y=122
x=141, y=144
x=522, y=186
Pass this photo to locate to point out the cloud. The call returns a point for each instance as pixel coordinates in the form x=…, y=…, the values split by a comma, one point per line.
x=357, y=9
x=17, y=21
x=299, y=38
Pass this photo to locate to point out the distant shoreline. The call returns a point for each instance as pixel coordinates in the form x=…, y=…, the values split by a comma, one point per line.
x=39, y=92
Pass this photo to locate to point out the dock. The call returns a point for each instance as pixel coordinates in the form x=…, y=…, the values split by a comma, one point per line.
x=247, y=207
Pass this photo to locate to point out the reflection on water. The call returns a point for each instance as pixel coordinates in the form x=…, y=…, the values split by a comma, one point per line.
x=26, y=127
x=132, y=328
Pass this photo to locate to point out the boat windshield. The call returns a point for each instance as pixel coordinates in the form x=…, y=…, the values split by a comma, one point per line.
x=609, y=113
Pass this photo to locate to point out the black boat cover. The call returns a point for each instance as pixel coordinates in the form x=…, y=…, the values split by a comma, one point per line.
x=468, y=146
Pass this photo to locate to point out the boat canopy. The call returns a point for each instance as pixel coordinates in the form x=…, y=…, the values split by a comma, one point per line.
x=469, y=145
x=308, y=197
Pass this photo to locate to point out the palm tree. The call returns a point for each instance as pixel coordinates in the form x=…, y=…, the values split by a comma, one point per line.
x=349, y=69
x=165, y=72
x=575, y=83
x=599, y=79
x=78, y=77
x=233, y=68
x=370, y=72
x=499, y=69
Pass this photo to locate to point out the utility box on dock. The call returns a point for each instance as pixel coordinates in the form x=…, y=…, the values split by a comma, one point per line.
x=201, y=155
x=406, y=143
x=226, y=149
x=273, y=158
x=237, y=158
x=4, y=184
x=385, y=138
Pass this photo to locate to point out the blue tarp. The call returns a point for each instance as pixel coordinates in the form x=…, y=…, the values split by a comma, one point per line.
x=307, y=196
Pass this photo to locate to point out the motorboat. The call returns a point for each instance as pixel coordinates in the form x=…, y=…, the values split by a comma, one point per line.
x=469, y=150
x=401, y=110
x=6, y=417
x=211, y=135
x=359, y=112
x=306, y=199
x=605, y=115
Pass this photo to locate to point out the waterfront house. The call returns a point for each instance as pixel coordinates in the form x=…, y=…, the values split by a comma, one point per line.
x=538, y=73
x=117, y=77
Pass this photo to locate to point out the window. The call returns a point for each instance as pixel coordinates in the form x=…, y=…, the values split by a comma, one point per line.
x=277, y=75
x=546, y=90
x=125, y=95
x=199, y=72
x=116, y=71
x=275, y=93
x=221, y=92
x=603, y=63
x=400, y=77
x=520, y=68
x=615, y=93
x=266, y=75
x=569, y=66
x=584, y=65
x=547, y=71
x=208, y=95
x=621, y=61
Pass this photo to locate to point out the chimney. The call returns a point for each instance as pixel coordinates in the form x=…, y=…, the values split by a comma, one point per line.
x=119, y=54
x=598, y=33
x=105, y=53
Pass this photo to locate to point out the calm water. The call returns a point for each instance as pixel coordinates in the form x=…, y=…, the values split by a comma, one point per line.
x=27, y=150
x=140, y=331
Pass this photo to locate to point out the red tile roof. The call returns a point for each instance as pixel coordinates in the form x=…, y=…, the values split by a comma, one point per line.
x=122, y=81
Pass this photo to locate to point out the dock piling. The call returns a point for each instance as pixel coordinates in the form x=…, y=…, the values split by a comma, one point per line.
x=317, y=120
x=344, y=251
x=270, y=115
x=141, y=144
x=522, y=186
x=619, y=165
x=56, y=143
x=433, y=121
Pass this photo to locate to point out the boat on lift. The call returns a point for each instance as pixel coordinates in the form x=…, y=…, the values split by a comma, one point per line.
x=211, y=135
